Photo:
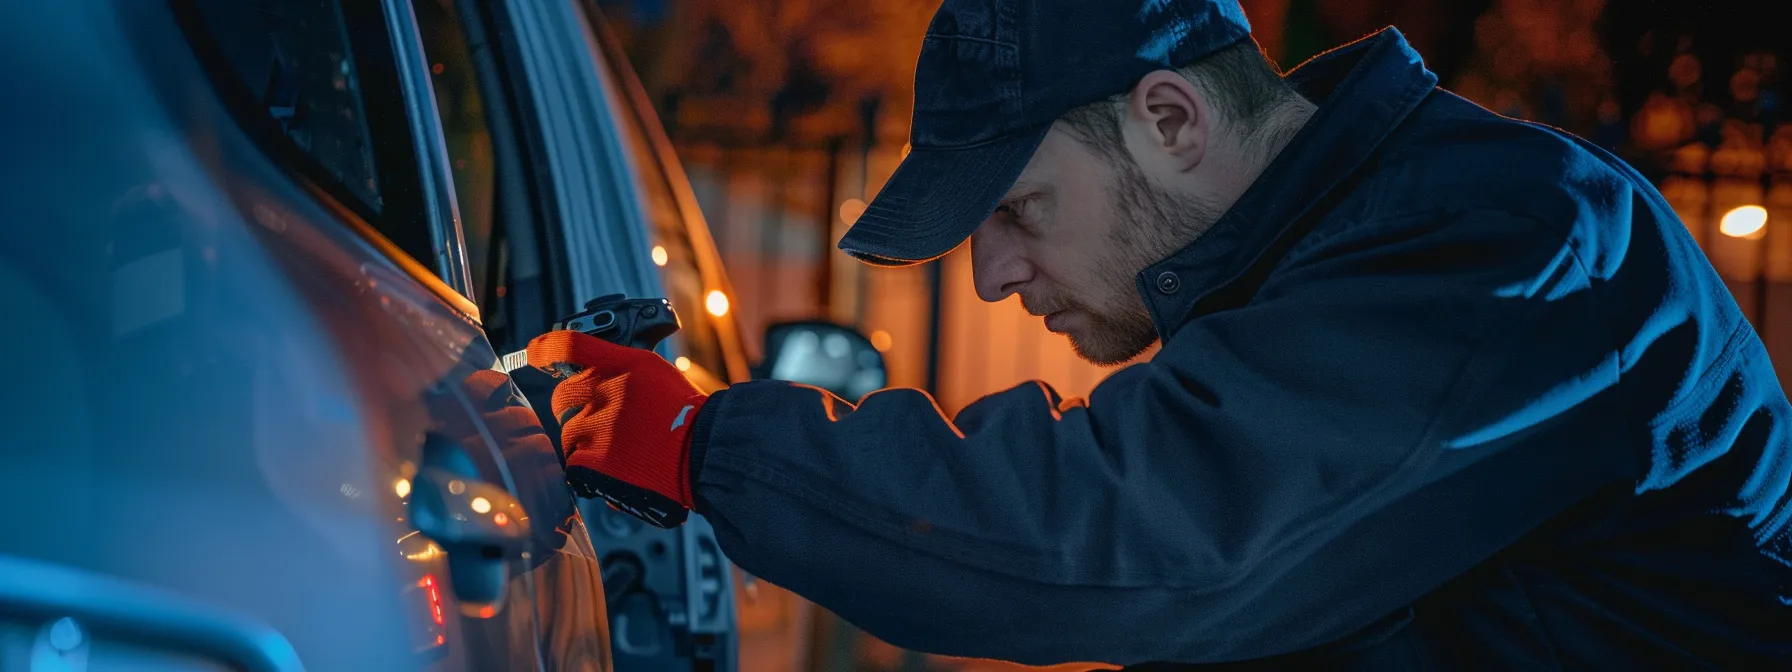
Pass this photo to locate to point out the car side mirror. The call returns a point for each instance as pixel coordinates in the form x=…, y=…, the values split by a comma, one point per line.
x=823, y=354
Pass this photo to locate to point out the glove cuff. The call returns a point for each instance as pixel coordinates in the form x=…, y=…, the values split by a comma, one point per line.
x=697, y=444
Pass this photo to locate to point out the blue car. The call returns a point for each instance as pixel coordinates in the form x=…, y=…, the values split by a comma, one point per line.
x=259, y=260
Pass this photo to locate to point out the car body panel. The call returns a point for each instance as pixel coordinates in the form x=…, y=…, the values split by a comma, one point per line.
x=237, y=382
x=241, y=377
x=191, y=349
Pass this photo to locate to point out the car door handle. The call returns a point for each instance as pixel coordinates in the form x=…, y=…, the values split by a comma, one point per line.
x=72, y=600
x=479, y=525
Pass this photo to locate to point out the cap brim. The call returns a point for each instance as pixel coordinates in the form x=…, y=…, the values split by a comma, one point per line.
x=936, y=198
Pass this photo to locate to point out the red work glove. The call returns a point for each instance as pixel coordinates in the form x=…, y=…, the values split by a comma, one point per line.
x=625, y=424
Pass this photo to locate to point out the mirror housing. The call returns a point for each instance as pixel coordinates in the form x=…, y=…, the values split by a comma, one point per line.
x=830, y=356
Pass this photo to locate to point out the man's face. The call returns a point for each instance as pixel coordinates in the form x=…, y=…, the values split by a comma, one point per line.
x=1070, y=237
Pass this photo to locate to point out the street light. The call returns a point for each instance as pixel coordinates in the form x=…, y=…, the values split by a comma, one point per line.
x=1747, y=221
x=716, y=302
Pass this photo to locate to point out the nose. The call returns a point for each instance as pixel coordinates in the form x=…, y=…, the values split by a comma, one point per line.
x=998, y=266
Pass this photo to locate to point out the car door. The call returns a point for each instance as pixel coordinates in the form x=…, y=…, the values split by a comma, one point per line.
x=586, y=231
x=500, y=205
x=254, y=379
x=347, y=177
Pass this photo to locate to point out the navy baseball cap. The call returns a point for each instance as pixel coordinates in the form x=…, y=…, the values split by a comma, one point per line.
x=992, y=77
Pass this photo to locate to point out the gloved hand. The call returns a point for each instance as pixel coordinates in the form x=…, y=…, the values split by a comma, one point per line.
x=625, y=424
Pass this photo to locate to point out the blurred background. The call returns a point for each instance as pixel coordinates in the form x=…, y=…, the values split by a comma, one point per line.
x=790, y=114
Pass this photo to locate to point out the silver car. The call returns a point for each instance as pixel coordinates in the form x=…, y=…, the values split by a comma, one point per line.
x=258, y=259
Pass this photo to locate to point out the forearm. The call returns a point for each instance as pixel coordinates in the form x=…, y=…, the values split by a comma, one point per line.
x=930, y=535
x=1039, y=532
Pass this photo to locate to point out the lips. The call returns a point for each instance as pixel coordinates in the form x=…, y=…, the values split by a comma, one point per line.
x=1040, y=308
x=1054, y=312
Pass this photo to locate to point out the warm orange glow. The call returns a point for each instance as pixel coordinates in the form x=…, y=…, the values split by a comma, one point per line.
x=428, y=553
x=487, y=611
x=881, y=340
x=683, y=363
x=659, y=255
x=716, y=302
x=851, y=209
x=480, y=505
x=402, y=487
x=1748, y=221
x=500, y=519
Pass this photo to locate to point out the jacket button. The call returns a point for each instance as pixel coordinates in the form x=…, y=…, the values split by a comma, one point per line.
x=1168, y=283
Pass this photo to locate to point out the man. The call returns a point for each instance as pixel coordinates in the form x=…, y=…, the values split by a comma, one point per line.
x=1436, y=387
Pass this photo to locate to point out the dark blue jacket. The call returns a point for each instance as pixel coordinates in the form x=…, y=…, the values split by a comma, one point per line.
x=1442, y=388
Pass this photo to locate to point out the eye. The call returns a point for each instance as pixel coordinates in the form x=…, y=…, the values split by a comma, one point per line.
x=1016, y=212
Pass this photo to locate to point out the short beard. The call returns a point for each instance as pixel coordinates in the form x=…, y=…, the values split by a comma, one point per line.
x=1154, y=224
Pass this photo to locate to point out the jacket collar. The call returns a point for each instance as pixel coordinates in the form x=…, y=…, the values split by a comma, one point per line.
x=1364, y=90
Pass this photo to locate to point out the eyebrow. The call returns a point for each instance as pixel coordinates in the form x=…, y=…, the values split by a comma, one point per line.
x=1021, y=191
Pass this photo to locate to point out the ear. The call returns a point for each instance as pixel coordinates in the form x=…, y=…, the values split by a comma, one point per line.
x=1171, y=119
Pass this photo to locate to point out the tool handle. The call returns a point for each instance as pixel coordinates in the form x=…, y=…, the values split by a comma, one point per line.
x=636, y=323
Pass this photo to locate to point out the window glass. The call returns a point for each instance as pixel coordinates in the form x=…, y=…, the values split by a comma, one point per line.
x=671, y=244
x=294, y=59
x=468, y=137
x=293, y=65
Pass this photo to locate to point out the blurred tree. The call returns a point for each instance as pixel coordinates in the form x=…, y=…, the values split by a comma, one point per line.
x=728, y=67
x=1645, y=37
x=1441, y=31
x=1683, y=70
x=1540, y=60
x=776, y=66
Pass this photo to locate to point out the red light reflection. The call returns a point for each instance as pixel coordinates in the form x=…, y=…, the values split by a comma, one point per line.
x=428, y=584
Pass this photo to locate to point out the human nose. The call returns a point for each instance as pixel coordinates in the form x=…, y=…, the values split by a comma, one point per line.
x=998, y=269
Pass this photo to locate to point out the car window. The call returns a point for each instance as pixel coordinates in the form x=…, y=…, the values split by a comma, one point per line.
x=672, y=250
x=293, y=63
x=467, y=134
x=474, y=164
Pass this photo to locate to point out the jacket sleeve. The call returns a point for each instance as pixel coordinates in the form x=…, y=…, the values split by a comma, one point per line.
x=1398, y=402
